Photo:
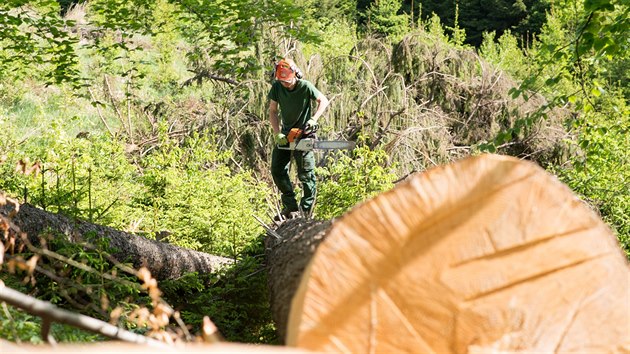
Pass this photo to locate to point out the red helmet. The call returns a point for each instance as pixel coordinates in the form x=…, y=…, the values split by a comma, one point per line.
x=286, y=70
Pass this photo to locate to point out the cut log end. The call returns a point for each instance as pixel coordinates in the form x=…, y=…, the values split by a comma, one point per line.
x=487, y=253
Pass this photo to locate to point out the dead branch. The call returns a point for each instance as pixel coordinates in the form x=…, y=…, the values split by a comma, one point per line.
x=100, y=114
x=113, y=101
x=205, y=74
x=50, y=313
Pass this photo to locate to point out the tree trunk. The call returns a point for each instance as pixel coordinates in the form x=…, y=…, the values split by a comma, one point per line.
x=286, y=259
x=165, y=261
x=487, y=254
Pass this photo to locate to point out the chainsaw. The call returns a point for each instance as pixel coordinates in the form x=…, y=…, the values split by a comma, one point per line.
x=296, y=142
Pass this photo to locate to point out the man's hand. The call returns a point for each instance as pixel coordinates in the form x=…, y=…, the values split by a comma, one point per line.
x=311, y=126
x=281, y=139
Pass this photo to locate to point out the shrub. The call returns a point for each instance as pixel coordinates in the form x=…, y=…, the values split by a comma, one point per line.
x=599, y=172
x=192, y=193
x=350, y=179
x=236, y=299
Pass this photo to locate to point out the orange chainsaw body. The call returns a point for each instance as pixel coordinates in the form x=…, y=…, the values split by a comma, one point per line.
x=294, y=134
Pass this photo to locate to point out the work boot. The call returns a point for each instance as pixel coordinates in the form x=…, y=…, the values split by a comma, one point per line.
x=286, y=214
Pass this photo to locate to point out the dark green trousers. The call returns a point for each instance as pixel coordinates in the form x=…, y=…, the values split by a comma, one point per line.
x=305, y=162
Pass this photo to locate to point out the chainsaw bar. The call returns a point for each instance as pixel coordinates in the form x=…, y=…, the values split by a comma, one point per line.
x=334, y=144
x=311, y=144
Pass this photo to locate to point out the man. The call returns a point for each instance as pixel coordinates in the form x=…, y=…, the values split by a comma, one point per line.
x=291, y=96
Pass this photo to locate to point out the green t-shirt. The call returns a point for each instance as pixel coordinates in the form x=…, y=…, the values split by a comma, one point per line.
x=295, y=105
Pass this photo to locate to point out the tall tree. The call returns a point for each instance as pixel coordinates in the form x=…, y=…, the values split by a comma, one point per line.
x=383, y=19
x=522, y=17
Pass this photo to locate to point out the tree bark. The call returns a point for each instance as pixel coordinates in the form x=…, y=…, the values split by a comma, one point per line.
x=487, y=254
x=164, y=261
x=286, y=259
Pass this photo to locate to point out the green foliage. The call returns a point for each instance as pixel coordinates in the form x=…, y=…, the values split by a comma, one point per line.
x=435, y=29
x=127, y=16
x=236, y=299
x=35, y=39
x=599, y=173
x=577, y=47
x=166, y=41
x=88, y=178
x=505, y=53
x=336, y=38
x=384, y=20
x=229, y=32
x=192, y=193
x=348, y=180
x=188, y=189
x=326, y=12
x=459, y=34
x=76, y=277
x=523, y=17
x=18, y=326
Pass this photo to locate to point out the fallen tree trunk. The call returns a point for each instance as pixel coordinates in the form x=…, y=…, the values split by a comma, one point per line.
x=287, y=258
x=487, y=254
x=164, y=261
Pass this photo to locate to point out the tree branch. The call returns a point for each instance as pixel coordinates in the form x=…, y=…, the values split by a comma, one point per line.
x=206, y=74
x=50, y=313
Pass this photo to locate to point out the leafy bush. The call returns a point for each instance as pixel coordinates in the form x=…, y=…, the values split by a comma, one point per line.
x=192, y=193
x=95, y=287
x=348, y=180
x=337, y=38
x=236, y=299
x=18, y=326
x=505, y=53
x=188, y=190
x=385, y=20
x=89, y=177
x=600, y=173
x=87, y=280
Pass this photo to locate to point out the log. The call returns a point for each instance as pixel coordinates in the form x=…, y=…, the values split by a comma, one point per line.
x=164, y=261
x=483, y=255
x=286, y=260
x=8, y=347
x=121, y=347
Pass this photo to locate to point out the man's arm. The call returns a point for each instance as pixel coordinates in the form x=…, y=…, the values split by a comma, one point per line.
x=322, y=103
x=273, y=116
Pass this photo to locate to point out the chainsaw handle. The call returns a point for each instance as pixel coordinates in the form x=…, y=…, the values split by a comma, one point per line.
x=310, y=129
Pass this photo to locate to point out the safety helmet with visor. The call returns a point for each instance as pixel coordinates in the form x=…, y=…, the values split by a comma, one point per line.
x=286, y=70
